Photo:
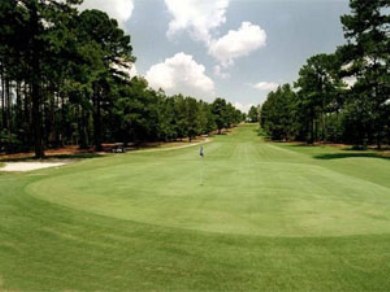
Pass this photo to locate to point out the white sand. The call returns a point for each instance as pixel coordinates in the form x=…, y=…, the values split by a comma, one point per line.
x=29, y=166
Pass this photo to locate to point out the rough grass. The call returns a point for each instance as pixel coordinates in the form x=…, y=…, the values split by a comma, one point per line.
x=251, y=215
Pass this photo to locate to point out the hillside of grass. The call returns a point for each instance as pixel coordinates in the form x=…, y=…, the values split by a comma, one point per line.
x=251, y=215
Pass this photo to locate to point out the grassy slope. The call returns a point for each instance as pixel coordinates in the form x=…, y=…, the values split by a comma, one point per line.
x=266, y=216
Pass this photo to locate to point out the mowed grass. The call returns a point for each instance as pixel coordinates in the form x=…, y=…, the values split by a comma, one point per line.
x=251, y=215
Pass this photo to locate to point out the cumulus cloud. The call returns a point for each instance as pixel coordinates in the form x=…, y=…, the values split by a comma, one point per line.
x=121, y=10
x=219, y=72
x=242, y=107
x=238, y=43
x=133, y=71
x=199, y=17
x=181, y=74
x=266, y=86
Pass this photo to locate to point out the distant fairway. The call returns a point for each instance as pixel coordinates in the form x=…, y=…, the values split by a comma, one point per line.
x=251, y=215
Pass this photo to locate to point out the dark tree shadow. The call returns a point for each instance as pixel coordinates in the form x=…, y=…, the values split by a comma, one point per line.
x=329, y=156
x=306, y=145
x=77, y=156
x=54, y=157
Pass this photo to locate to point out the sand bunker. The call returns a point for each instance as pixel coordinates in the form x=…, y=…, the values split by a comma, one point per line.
x=29, y=166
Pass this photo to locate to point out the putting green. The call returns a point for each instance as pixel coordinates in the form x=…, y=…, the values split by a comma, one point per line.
x=243, y=186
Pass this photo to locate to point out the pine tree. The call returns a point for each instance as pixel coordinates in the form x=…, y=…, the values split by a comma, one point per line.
x=367, y=57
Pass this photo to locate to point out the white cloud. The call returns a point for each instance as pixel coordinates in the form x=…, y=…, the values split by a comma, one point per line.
x=218, y=72
x=127, y=68
x=238, y=43
x=199, y=17
x=121, y=10
x=181, y=74
x=133, y=71
x=266, y=86
x=243, y=107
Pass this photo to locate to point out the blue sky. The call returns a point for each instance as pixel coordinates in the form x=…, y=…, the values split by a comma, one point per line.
x=235, y=49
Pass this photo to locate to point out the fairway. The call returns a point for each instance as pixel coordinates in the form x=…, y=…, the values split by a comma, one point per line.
x=250, y=215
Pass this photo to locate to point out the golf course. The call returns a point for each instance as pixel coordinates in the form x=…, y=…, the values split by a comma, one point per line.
x=250, y=215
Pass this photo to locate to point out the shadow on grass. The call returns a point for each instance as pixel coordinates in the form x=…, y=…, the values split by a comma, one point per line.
x=295, y=144
x=329, y=156
x=53, y=157
x=77, y=156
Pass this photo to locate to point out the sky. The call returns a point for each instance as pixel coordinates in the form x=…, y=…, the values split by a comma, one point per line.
x=236, y=49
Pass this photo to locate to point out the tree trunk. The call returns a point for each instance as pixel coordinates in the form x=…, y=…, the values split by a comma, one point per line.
x=3, y=115
x=36, y=87
x=311, y=130
x=83, y=129
x=97, y=121
x=27, y=119
x=18, y=111
x=37, y=121
x=9, y=105
x=9, y=116
x=379, y=135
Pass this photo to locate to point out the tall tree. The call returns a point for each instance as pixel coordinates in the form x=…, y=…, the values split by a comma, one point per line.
x=317, y=86
x=279, y=114
x=112, y=45
x=219, y=110
x=367, y=57
x=39, y=33
x=253, y=114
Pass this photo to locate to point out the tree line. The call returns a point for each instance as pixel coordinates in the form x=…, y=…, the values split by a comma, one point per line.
x=342, y=97
x=64, y=80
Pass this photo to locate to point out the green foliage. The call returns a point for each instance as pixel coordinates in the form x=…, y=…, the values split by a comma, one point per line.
x=64, y=78
x=142, y=114
x=253, y=114
x=367, y=57
x=279, y=114
x=225, y=114
x=319, y=88
x=219, y=111
x=9, y=142
x=325, y=109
